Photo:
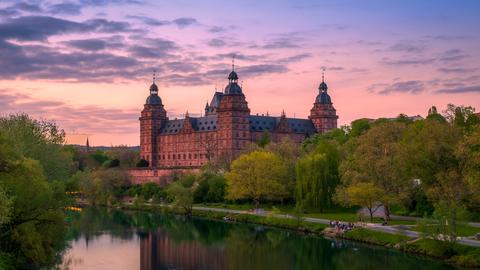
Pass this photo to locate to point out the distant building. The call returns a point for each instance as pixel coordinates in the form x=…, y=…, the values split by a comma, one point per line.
x=226, y=128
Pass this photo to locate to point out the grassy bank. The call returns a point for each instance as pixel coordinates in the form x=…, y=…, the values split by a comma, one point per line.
x=450, y=253
x=290, y=224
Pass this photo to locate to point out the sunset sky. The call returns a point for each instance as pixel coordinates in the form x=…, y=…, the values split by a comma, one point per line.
x=87, y=64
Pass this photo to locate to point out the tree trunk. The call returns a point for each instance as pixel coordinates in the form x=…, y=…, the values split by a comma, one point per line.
x=257, y=203
x=370, y=210
x=386, y=209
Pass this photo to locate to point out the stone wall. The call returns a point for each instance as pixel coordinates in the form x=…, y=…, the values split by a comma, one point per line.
x=160, y=176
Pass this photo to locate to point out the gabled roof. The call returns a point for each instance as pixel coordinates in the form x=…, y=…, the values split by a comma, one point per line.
x=206, y=123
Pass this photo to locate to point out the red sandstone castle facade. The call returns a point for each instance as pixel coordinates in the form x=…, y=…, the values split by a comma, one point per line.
x=225, y=129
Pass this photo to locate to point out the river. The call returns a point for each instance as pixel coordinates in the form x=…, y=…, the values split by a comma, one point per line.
x=112, y=239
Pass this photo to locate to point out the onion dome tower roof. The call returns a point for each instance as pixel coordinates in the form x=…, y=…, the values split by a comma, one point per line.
x=323, y=97
x=233, y=88
x=153, y=99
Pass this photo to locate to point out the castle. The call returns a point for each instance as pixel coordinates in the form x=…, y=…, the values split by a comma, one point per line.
x=226, y=128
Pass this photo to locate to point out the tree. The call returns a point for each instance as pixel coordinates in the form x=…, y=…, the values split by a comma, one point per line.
x=34, y=230
x=39, y=140
x=468, y=154
x=5, y=206
x=103, y=186
x=181, y=196
x=127, y=157
x=256, y=176
x=289, y=154
x=374, y=160
x=211, y=188
x=317, y=177
x=264, y=139
x=362, y=194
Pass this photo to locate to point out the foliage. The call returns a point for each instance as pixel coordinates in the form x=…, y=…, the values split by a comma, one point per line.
x=39, y=140
x=265, y=139
x=317, y=177
x=103, y=186
x=211, y=188
x=142, y=163
x=5, y=206
x=373, y=160
x=34, y=231
x=127, y=158
x=362, y=194
x=147, y=191
x=257, y=176
x=181, y=195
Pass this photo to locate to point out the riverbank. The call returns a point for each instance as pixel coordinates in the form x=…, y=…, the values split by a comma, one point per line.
x=457, y=254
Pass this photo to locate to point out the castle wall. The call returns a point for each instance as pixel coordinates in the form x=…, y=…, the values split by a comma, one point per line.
x=160, y=176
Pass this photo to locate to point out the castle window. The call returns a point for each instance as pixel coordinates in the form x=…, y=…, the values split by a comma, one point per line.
x=173, y=156
x=189, y=156
x=208, y=127
x=195, y=156
x=201, y=156
x=214, y=127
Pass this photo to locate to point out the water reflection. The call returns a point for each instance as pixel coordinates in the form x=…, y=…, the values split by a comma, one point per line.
x=103, y=239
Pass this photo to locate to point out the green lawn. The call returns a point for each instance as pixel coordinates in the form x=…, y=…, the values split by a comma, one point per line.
x=341, y=214
x=462, y=230
x=374, y=237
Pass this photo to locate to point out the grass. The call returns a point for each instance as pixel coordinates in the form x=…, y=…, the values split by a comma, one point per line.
x=462, y=230
x=340, y=214
x=374, y=237
x=453, y=253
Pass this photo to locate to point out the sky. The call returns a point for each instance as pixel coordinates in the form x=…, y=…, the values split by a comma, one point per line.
x=87, y=64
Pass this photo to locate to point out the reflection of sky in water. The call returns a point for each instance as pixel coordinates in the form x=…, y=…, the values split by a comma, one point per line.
x=104, y=252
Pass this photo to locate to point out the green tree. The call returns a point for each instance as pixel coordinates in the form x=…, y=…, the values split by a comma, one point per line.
x=361, y=194
x=39, y=140
x=317, y=177
x=265, y=139
x=34, y=231
x=256, y=176
x=5, y=206
x=181, y=196
x=374, y=160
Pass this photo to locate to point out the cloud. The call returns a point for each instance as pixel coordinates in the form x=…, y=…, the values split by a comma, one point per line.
x=408, y=62
x=216, y=43
x=407, y=47
x=110, y=2
x=148, y=21
x=88, y=44
x=294, y=58
x=217, y=29
x=24, y=6
x=281, y=43
x=458, y=70
x=90, y=119
x=412, y=87
x=184, y=22
x=262, y=69
x=449, y=37
x=31, y=28
x=65, y=8
x=460, y=90
x=453, y=55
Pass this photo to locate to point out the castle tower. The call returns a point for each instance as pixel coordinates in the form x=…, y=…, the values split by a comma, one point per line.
x=152, y=119
x=233, y=118
x=323, y=115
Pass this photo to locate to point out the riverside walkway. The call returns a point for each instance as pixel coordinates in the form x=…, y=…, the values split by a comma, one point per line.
x=371, y=226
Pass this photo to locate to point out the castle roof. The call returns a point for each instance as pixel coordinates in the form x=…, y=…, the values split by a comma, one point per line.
x=257, y=124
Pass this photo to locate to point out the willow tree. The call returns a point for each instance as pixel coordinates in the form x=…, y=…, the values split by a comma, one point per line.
x=317, y=177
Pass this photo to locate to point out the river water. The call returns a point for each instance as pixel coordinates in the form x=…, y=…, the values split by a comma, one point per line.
x=113, y=239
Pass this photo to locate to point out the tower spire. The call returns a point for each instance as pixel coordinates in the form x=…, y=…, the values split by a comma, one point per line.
x=154, y=71
x=233, y=62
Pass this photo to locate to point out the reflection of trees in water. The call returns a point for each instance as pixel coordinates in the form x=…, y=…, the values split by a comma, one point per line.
x=169, y=241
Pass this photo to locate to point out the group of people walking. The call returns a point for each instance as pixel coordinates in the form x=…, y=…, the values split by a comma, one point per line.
x=340, y=226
